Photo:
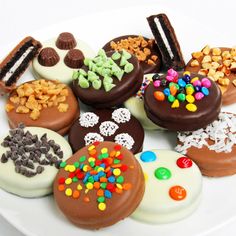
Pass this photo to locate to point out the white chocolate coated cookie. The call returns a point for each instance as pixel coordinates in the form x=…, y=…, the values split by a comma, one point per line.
x=135, y=105
x=173, y=187
x=60, y=71
x=40, y=184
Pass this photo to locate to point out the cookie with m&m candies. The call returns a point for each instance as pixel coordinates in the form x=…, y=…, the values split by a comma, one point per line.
x=182, y=101
x=99, y=185
x=173, y=186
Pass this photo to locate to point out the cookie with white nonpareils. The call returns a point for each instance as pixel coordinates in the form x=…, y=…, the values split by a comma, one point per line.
x=29, y=160
x=213, y=148
x=107, y=125
x=60, y=56
x=173, y=186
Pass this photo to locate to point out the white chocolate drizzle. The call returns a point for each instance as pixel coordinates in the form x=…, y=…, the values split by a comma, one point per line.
x=125, y=140
x=222, y=132
x=92, y=137
x=88, y=119
x=108, y=128
x=121, y=115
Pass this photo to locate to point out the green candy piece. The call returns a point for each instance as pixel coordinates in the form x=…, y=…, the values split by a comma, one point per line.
x=82, y=72
x=62, y=164
x=111, y=62
x=116, y=161
x=128, y=67
x=99, y=63
x=188, y=86
x=76, y=164
x=105, y=155
x=90, y=179
x=106, y=71
x=116, y=55
x=101, y=199
x=86, y=61
x=75, y=179
x=162, y=173
x=171, y=98
x=99, y=70
x=92, y=76
x=92, y=163
x=173, y=84
x=97, y=59
x=82, y=159
x=91, y=65
x=100, y=157
x=107, y=64
x=126, y=54
x=75, y=75
x=103, y=185
x=119, y=74
x=181, y=97
x=97, y=84
x=123, y=61
x=120, y=179
x=83, y=83
x=102, y=53
x=108, y=86
x=107, y=79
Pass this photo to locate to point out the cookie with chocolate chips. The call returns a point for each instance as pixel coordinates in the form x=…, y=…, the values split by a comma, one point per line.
x=29, y=160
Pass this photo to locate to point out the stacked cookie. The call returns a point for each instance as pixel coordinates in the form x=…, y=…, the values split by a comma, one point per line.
x=102, y=175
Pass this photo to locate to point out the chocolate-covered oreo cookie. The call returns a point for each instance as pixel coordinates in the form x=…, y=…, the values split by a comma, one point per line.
x=143, y=48
x=66, y=41
x=182, y=101
x=48, y=57
x=108, y=79
x=213, y=148
x=107, y=125
x=74, y=58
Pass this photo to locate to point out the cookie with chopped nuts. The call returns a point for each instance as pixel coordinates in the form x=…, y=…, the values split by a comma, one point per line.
x=43, y=103
x=218, y=64
x=143, y=48
x=29, y=160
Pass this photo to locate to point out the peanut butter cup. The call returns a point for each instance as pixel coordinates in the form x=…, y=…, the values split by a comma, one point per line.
x=48, y=57
x=74, y=58
x=66, y=41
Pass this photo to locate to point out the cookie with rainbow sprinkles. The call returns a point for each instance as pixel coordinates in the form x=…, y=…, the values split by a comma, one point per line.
x=99, y=185
x=182, y=101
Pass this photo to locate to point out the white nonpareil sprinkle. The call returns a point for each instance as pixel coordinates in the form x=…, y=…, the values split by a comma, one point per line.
x=92, y=137
x=121, y=115
x=108, y=128
x=222, y=132
x=124, y=140
x=88, y=119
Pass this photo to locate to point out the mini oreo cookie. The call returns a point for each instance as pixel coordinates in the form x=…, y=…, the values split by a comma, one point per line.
x=29, y=160
x=48, y=57
x=74, y=58
x=107, y=125
x=99, y=185
x=66, y=41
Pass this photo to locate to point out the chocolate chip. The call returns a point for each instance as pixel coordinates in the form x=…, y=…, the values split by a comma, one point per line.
x=30, y=164
x=55, y=147
x=51, y=143
x=21, y=126
x=39, y=169
x=43, y=150
x=4, y=158
x=60, y=154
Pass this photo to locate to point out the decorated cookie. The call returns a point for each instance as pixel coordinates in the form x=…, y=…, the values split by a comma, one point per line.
x=16, y=62
x=143, y=48
x=43, y=103
x=107, y=125
x=213, y=148
x=99, y=185
x=180, y=101
x=173, y=185
x=60, y=57
x=219, y=64
x=135, y=105
x=108, y=79
x=29, y=160
x=167, y=42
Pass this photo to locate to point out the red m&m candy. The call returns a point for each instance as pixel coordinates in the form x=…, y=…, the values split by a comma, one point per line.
x=184, y=162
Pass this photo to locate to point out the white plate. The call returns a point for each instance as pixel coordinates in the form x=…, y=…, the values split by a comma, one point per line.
x=218, y=206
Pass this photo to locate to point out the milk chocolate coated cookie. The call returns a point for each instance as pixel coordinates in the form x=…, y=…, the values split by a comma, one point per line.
x=108, y=79
x=167, y=42
x=213, y=148
x=99, y=185
x=143, y=48
x=60, y=57
x=219, y=64
x=43, y=103
x=182, y=101
x=107, y=125
x=16, y=62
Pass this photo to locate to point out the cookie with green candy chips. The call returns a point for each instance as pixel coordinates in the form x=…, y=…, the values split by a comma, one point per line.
x=108, y=79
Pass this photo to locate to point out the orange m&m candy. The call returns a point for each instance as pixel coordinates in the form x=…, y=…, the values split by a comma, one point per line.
x=177, y=193
x=160, y=96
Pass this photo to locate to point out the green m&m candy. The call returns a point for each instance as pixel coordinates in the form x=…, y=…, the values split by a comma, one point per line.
x=162, y=173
